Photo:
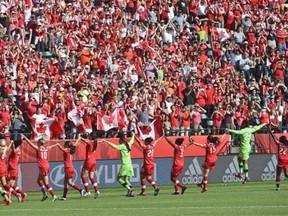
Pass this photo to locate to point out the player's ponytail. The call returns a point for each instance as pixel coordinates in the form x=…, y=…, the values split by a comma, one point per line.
x=127, y=145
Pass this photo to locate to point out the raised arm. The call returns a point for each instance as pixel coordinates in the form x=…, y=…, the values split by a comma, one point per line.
x=60, y=147
x=139, y=142
x=118, y=147
x=130, y=143
x=29, y=142
x=156, y=141
x=169, y=142
x=52, y=146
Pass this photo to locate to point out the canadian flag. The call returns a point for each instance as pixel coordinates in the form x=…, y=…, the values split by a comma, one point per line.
x=122, y=118
x=146, y=131
x=221, y=34
x=41, y=127
x=107, y=122
x=75, y=115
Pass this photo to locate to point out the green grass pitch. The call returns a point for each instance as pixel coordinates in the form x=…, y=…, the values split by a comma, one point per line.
x=253, y=198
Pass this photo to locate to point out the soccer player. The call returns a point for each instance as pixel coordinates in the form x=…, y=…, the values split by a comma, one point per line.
x=282, y=144
x=3, y=171
x=43, y=165
x=6, y=200
x=178, y=163
x=210, y=158
x=126, y=169
x=89, y=166
x=147, y=169
x=245, y=147
x=68, y=150
x=13, y=160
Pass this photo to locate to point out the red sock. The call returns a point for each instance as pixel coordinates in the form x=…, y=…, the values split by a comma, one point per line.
x=65, y=191
x=50, y=189
x=18, y=190
x=76, y=187
x=153, y=183
x=94, y=183
x=85, y=183
x=42, y=186
x=278, y=181
x=10, y=189
x=143, y=186
x=177, y=182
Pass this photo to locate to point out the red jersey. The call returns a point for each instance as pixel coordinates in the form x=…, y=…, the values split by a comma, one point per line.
x=211, y=154
x=67, y=158
x=3, y=169
x=179, y=155
x=282, y=152
x=13, y=159
x=148, y=152
x=42, y=157
x=90, y=154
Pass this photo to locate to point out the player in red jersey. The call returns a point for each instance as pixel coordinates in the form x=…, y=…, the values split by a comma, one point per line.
x=89, y=166
x=178, y=163
x=43, y=165
x=282, y=144
x=68, y=150
x=13, y=160
x=147, y=169
x=3, y=170
x=210, y=158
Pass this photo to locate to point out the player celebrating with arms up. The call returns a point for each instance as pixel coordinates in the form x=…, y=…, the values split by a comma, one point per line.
x=245, y=146
x=126, y=169
x=147, y=169
x=43, y=164
x=178, y=163
x=210, y=158
x=68, y=150
x=282, y=144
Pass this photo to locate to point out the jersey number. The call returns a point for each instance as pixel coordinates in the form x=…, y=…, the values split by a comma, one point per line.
x=43, y=155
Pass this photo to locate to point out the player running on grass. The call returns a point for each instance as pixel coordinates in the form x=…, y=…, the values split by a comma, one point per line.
x=178, y=163
x=3, y=170
x=210, y=158
x=147, y=169
x=282, y=144
x=89, y=167
x=43, y=165
x=126, y=169
x=13, y=160
x=245, y=147
x=68, y=151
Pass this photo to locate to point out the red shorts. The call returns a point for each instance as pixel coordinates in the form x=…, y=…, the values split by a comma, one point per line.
x=69, y=172
x=13, y=174
x=3, y=172
x=209, y=165
x=90, y=166
x=147, y=170
x=283, y=164
x=44, y=171
x=176, y=170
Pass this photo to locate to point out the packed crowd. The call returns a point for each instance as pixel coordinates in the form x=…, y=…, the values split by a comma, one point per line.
x=192, y=64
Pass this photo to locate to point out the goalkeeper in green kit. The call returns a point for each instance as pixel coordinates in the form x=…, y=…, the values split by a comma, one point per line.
x=245, y=147
x=126, y=169
x=6, y=200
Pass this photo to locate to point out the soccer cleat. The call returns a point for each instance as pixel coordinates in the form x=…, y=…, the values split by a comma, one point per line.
x=204, y=189
x=96, y=195
x=54, y=198
x=44, y=197
x=24, y=197
x=19, y=197
x=131, y=193
x=82, y=193
x=86, y=194
x=183, y=190
x=201, y=185
x=142, y=194
x=238, y=175
x=246, y=179
x=176, y=193
x=5, y=202
x=62, y=198
x=156, y=191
